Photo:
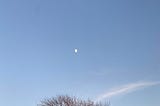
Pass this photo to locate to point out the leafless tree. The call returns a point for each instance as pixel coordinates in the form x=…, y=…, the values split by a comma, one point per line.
x=69, y=101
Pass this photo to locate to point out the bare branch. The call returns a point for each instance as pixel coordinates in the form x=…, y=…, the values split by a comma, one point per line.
x=70, y=101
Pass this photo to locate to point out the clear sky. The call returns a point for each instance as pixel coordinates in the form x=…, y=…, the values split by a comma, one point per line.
x=118, y=44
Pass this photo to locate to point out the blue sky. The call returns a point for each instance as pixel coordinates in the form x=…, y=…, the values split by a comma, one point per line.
x=118, y=51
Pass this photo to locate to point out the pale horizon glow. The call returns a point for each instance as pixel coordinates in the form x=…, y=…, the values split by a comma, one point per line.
x=126, y=89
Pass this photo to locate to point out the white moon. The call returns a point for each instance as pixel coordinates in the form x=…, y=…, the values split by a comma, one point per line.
x=75, y=50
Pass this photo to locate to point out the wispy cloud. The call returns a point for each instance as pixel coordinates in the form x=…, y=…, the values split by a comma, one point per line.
x=125, y=89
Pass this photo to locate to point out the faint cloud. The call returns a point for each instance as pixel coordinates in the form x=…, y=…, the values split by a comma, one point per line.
x=125, y=89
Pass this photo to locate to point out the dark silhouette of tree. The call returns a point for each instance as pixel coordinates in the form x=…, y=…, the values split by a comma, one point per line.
x=70, y=101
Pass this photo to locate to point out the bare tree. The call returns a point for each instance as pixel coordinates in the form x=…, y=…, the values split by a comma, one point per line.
x=69, y=101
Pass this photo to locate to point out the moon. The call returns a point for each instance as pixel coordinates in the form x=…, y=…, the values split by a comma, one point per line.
x=75, y=50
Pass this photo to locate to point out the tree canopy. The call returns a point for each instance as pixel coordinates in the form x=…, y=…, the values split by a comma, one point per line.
x=70, y=101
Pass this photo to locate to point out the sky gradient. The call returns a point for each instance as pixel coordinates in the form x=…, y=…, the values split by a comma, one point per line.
x=118, y=44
